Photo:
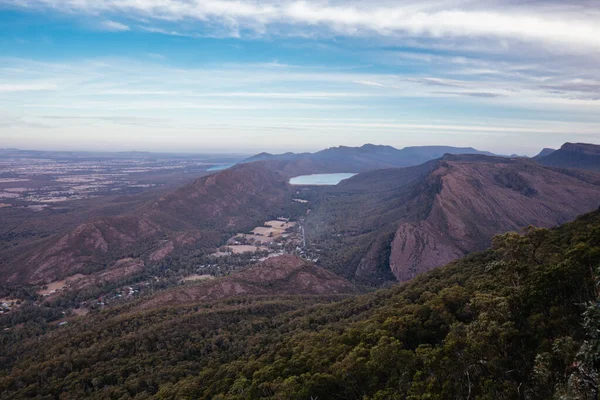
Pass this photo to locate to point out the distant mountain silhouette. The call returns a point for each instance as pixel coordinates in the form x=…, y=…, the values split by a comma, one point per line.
x=545, y=152
x=574, y=155
x=359, y=159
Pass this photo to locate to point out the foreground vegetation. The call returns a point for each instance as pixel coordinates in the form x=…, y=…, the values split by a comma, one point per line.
x=519, y=321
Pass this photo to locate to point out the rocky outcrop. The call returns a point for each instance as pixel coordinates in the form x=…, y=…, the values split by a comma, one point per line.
x=419, y=247
x=479, y=199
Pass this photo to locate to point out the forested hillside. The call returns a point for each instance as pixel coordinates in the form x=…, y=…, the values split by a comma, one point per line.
x=518, y=321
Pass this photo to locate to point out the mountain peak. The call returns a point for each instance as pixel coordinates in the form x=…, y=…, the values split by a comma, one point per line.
x=586, y=148
x=368, y=157
x=371, y=146
x=574, y=155
x=546, y=151
x=259, y=157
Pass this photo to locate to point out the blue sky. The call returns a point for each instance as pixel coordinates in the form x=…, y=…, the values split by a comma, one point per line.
x=248, y=76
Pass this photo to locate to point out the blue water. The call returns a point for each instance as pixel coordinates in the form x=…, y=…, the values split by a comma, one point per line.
x=320, y=179
x=219, y=167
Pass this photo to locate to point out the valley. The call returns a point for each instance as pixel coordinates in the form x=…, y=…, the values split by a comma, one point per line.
x=325, y=340
x=36, y=180
x=299, y=200
x=245, y=234
x=371, y=228
x=43, y=193
x=274, y=236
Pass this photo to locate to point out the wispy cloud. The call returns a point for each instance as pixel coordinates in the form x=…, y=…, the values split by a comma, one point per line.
x=113, y=26
x=483, y=95
x=170, y=32
x=443, y=82
x=575, y=85
x=259, y=105
x=246, y=83
x=369, y=83
x=26, y=87
x=132, y=121
x=290, y=95
x=574, y=27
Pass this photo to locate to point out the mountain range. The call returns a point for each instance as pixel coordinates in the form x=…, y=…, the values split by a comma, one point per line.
x=409, y=220
x=381, y=225
x=359, y=159
x=496, y=301
x=573, y=155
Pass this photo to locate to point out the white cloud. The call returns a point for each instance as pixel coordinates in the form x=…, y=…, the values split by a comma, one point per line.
x=369, y=83
x=153, y=29
x=113, y=26
x=574, y=27
x=251, y=82
x=239, y=101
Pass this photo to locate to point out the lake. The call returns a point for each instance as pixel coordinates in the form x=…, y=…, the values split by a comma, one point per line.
x=320, y=179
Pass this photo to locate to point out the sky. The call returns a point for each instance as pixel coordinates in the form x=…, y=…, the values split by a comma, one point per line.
x=216, y=76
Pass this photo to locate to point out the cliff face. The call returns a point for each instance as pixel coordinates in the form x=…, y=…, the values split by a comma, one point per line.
x=422, y=217
x=480, y=199
x=574, y=155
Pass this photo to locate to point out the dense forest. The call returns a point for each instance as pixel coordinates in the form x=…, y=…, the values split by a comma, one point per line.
x=518, y=321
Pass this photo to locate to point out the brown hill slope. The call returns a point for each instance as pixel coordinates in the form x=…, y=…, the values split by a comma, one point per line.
x=480, y=199
x=287, y=275
x=198, y=214
x=446, y=209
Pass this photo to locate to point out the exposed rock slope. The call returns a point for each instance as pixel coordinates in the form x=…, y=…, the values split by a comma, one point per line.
x=422, y=217
x=479, y=199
